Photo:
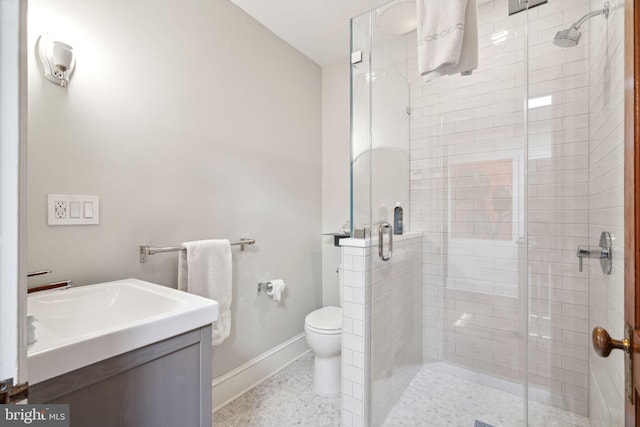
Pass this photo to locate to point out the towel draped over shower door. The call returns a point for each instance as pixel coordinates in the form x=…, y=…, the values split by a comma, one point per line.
x=447, y=37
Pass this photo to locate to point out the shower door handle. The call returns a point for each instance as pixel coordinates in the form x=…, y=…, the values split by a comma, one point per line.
x=603, y=344
x=385, y=227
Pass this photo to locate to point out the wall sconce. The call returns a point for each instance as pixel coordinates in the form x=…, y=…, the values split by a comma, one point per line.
x=57, y=59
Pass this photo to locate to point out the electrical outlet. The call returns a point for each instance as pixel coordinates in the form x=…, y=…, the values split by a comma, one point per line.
x=60, y=209
x=70, y=209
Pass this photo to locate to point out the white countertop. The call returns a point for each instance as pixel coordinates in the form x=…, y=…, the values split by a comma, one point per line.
x=80, y=326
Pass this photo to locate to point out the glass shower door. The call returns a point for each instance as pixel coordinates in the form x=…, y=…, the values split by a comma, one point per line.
x=575, y=193
x=447, y=314
x=508, y=171
x=380, y=183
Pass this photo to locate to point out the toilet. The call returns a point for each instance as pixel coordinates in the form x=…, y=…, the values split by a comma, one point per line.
x=323, y=331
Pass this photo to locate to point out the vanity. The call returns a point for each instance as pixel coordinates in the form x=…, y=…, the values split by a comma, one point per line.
x=124, y=353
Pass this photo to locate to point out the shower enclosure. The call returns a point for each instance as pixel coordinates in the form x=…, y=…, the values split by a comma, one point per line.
x=482, y=313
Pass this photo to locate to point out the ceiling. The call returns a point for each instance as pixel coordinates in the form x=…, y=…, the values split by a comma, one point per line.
x=317, y=28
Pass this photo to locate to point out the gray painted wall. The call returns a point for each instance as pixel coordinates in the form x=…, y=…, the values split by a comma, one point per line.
x=191, y=121
x=336, y=154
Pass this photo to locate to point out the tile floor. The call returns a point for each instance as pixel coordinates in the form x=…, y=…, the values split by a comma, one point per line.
x=284, y=400
x=433, y=399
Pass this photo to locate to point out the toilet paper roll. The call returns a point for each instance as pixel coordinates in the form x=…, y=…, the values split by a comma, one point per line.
x=277, y=287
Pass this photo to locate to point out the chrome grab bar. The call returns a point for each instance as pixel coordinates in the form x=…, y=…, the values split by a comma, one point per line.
x=385, y=226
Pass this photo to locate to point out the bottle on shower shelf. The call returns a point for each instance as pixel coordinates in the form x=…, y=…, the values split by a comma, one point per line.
x=397, y=219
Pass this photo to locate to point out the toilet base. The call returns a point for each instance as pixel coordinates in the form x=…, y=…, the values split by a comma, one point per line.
x=326, y=375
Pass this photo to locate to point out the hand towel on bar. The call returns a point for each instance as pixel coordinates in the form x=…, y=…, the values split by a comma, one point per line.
x=204, y=269
x=447, y=37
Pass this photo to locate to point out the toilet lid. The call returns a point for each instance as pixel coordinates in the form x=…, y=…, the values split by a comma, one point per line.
x=325, y=318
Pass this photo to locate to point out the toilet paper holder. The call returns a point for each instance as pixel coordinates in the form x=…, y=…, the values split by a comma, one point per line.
x=264, y=287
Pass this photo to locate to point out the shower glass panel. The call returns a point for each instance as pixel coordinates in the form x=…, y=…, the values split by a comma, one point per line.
x=380, y=125
x=468, y=198
x=575, y=192
x=380, y=171
x=482, y=314
x=360, y=126
x=558, y=187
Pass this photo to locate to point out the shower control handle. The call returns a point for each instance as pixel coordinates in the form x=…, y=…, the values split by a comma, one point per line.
x=590, y=252
x=601, y=252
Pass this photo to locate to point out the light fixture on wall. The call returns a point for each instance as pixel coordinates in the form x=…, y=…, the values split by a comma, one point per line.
x=398, y=17
x=57, y=59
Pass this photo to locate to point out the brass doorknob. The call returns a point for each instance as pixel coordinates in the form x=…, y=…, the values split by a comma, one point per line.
x=603, y=343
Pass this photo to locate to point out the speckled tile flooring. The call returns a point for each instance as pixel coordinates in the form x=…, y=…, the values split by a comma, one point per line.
x=433, y=399
x=438, y=399
x=286, y=399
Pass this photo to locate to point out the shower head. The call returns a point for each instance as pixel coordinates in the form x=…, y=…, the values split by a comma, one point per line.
x=571, y=36
x=567, y=38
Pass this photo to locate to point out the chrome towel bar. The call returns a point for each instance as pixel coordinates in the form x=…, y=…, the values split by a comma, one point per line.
x=150, y=250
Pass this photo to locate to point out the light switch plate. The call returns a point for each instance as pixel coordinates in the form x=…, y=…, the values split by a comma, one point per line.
x=67, y=209
x=74, y=209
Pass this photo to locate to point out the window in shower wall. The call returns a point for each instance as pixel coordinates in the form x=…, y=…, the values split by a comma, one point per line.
x=481, y=200
x=484, y=222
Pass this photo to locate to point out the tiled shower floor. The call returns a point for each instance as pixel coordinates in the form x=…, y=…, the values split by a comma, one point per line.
x=438, y=399
x=433, y=399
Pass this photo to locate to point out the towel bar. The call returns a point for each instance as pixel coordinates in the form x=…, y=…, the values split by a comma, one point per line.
x=150, y=250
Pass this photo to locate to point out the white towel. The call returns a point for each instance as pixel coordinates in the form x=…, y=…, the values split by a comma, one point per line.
x=204, y=269
x=447, y=37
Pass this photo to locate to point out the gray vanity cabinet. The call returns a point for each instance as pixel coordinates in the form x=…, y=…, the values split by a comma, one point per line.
x=167, y=383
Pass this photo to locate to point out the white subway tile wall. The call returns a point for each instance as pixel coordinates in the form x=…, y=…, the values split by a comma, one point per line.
x=468, y=198
x=396, y=324
x=606, y=209
x=355, y=372
x=392, y=291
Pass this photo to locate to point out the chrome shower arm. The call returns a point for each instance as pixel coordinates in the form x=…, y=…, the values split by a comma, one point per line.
x=604, y=11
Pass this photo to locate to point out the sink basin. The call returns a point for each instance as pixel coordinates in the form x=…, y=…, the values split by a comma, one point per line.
x=80, y=326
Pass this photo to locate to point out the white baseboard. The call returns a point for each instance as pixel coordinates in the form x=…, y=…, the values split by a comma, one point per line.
x=245, y=377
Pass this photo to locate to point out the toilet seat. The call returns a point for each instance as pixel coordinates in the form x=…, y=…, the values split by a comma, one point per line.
x=325, y=320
